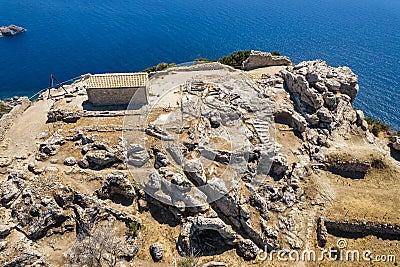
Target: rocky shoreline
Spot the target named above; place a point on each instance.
(11, 30)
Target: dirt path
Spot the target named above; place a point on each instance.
(21, 139)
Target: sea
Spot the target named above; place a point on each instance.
(74, 37)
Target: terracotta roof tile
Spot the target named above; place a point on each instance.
(117, 80)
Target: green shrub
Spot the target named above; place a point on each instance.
(235, 59)
(161, 66)
(377, 126)
(190, 261)
(201, 59)
(275, 53)
(370, 121)
(133, 230)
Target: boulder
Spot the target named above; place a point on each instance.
(70, 161)
(117, 188)
(161, 160)
(55, 115)
(101, 159)
(157, 251)
(154, 182)
(176, 153)
(157, 132)
(137, 155)
(279, 166)
(10, 30)
(83, 163)
(247, 249)
(5, 230)
(12, 188)
(88, 139)
(396, 142)
(51, 145)
(193, 169)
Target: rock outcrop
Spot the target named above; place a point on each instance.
(10, 30)
(396, 142)
(5, 107)
(224, 163)
(117, 188)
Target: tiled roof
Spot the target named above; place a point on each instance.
(117, 80)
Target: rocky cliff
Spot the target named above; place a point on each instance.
(220, 166)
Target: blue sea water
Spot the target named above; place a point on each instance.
(70, 38)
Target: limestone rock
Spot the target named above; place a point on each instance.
(194, 171)
(154, 182)
(5, 162)
(117, 188)
(137, 155)
(200, 230)
(176, 153)
(28, 257)
(70, 161)
(10, 30)
(51, 145)
(279, 166)
(34, 218)
(157, 251)
(87, 139)
(101, 159)
(55, 115)
(5, 230)
(3, 245)
(396, 142)
(83, 163)
(161, 160)
(11, 189)
(155, 131)
(247, 249)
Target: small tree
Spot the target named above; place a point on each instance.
(100, 248)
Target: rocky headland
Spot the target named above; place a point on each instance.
(223, 164)
(10, 30)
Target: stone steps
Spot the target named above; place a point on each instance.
(263, 130)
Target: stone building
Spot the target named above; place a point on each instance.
(112, 89)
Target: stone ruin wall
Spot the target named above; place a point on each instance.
(326, 225)
(261, 59)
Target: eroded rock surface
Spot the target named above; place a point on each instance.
(219, 163)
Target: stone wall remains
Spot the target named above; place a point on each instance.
(259, 59)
